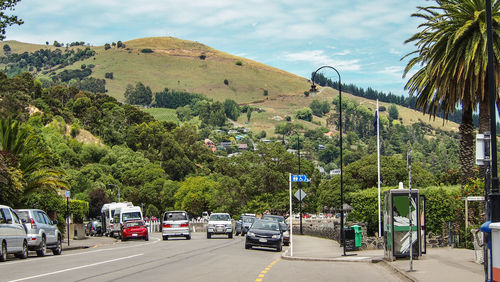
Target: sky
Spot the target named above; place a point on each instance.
(363, 40)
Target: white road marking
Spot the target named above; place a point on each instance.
(78, 254)
(75, 268)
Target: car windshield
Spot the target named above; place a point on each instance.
(249, 219)
(175, 216)
(266, 225)
(134, 223)
(24, 215)
(131, 215)
(219, 217)
(274, 218)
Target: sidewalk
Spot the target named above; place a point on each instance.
(439, 264)
(88, 242)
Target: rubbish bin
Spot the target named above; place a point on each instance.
(349, 239)
(358, 235)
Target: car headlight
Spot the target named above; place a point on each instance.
(277, 236)
(229, 225)
(211, 225)
(251, 234)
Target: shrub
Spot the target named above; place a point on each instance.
(239, 63)
(107, 46)
(108, 75)
(288, 118)
(147, 50)
(306, 93)
(304, 114)
(75, 130)
(6, 48)
(226, 82)
(266, 92)
(83, 66)
(203, 57)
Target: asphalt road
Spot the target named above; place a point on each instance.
(198, 259)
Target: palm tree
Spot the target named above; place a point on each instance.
(25, 151)
(451, 48)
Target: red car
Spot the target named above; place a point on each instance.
(134, 229)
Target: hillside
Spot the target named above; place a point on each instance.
(194, 67)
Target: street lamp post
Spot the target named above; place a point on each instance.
(313, 89)
(300, 185)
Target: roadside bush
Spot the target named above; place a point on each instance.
(147, 50)
(78, 209)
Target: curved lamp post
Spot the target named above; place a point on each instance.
(313, 89)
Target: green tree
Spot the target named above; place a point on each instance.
(452, 49)
(195, 195)
(316, 107)
(6, 20)
(231, 109)
(393, 112)
(6, 48)
(305, 114)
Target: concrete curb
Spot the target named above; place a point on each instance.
(71, 248)
(399, 271)
(286, 256)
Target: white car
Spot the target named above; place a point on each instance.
(220, 223)
(13, 238)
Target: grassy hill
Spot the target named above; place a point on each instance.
(178, 64)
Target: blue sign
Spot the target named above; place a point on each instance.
(300, 178)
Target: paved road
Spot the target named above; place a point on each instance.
(199, 259)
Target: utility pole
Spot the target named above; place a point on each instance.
(410, 213)
(300, 186)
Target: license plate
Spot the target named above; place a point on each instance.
(220, 230)
(175, 225)
(262, 240)
(134, 235)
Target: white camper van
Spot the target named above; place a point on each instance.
(108, 213)
(123, 214)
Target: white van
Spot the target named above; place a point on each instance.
(108, 213)
(123, 214)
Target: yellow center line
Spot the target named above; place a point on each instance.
(267, 269)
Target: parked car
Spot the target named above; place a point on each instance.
(176, 224)
(246, 222)
(264, 233)
(42, 232)
(283, 226)
(13, 238)
(220, 223)
(134, 229)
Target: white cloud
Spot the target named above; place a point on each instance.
(318, 57)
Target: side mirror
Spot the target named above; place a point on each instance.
(23, 221)
(55, 222)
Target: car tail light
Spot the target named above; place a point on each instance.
(166, 225)
(184, 224)
(33, 224)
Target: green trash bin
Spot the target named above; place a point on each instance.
(358, 235)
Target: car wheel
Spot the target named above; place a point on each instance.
(209, 235)
(230, 235)
(42, 249)
(123, 239)
(24, 253)
(247, 246)
(3, 254)
(286, 244)
(279, 249)
(165, 238)
(188, 237)
(58, 250)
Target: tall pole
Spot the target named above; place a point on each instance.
(67, 215)
(300, 186)
(378, 170)
(493, 201)
(313, 88)
(291, 215)
(410, 214)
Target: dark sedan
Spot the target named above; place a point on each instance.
(264, 233)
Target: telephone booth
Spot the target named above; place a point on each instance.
(397, 224)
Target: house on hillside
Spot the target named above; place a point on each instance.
(210, 144)
(226, 144)
(243, 146)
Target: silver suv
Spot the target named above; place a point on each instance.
(220, 223)
(42, 232)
